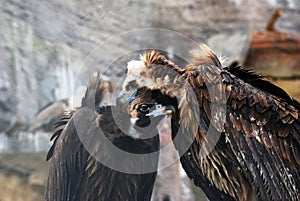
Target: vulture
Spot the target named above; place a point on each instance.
(106, 152)
(51, 113)
(48, 115)
(238, 135)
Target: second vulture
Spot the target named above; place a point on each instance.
(118, 163)
(237, 134)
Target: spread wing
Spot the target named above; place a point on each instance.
(260, 129)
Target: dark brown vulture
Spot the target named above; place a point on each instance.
(237, 134)
(85, 164)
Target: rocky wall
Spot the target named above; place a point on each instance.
(43, 44)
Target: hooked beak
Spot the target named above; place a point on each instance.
(160, 110)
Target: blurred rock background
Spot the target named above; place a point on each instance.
(46, 55)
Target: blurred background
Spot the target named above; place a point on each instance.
(45, 60)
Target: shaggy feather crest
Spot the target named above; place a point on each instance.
(137, 75)
(154, 71)
(153, 57)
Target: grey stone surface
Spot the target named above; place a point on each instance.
(7, 99)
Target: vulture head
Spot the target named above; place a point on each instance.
(144, 111)
(155, 72)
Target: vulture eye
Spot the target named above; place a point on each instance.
(144, 108)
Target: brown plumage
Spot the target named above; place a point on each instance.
(75, 174)
(256, 155)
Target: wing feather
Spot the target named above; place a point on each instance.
(69, 158)
(261, 127)
(68, 163)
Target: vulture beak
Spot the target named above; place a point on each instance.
(159, 110)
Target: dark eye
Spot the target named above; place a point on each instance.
(144, 108)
